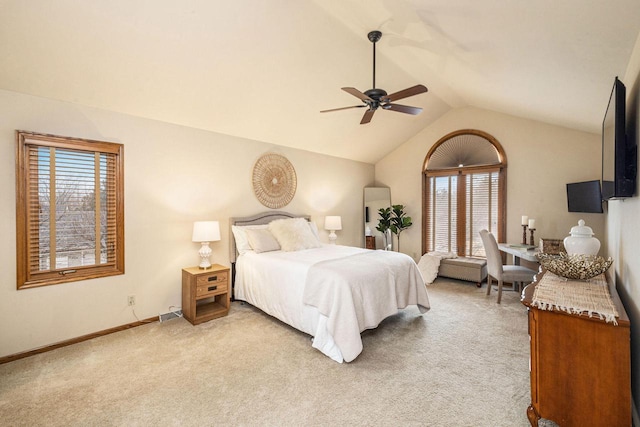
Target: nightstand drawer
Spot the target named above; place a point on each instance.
(212, 279)
(210, 289)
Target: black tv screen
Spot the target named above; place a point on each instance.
(584, 197)
(618, 154)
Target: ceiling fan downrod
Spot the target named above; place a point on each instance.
(374, 37)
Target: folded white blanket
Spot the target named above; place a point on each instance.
(359, 291)
(430, 263)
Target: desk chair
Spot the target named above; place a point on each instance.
(507, 273)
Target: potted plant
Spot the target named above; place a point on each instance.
(399, 221)
(384, 226)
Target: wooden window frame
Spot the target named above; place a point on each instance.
(26, 276)
(501, 168)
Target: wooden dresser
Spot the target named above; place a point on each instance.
(580, 366)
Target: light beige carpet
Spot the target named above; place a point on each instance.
(463, 363)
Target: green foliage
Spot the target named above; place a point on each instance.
(399, 221)
(385, 220)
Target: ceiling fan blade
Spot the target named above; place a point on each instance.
(355, 92)
(367, 117)
(415, 90)
(343, 108)
(402, 108)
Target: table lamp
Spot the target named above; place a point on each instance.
(332, 223)
(205, 232)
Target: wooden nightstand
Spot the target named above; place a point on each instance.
(370, 242)
(205, 293)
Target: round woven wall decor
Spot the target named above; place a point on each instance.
(274, 180)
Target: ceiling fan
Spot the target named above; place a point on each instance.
(374, 98)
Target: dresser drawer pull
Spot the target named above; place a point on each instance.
(212, 278)
(212, 288)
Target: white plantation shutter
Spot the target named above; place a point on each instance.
(70, 206)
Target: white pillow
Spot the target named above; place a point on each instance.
(293, 234)
(261, 240)
(314, 229)
(240, 234)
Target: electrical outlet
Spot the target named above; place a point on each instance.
(132, 300)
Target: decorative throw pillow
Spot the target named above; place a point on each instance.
(314, 229)
(261, 240)
(293, 234)
(240, 234)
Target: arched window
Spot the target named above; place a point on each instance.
(464, 191)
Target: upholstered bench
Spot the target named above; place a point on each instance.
(463, 268)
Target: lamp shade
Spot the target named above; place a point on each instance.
(333, 223)
(206, 231)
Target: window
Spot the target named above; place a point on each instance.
(464, 181)
(70, 209)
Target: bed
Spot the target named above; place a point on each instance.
(330, 292)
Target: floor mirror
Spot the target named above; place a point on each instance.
(375, 198)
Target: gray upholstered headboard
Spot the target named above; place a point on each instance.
(261, 218)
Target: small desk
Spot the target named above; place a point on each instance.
(519, 251)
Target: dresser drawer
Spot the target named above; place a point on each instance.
(211, 289)
(211, 279)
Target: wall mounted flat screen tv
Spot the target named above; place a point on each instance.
(584, 197)
(618, 154)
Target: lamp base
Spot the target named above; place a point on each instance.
(332, 237)
(205, 254)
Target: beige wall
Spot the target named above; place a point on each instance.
(173, 176)
(541, 159)
(623, 231)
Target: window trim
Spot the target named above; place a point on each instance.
(25, 278)
(465, 170)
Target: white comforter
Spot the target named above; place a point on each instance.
(332, 293)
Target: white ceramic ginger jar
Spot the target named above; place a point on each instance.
(581, 241)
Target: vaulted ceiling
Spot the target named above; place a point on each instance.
(263, 69)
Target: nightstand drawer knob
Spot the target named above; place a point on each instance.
(212, 278)
(212, 288)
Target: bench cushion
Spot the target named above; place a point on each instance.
(463, 268)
